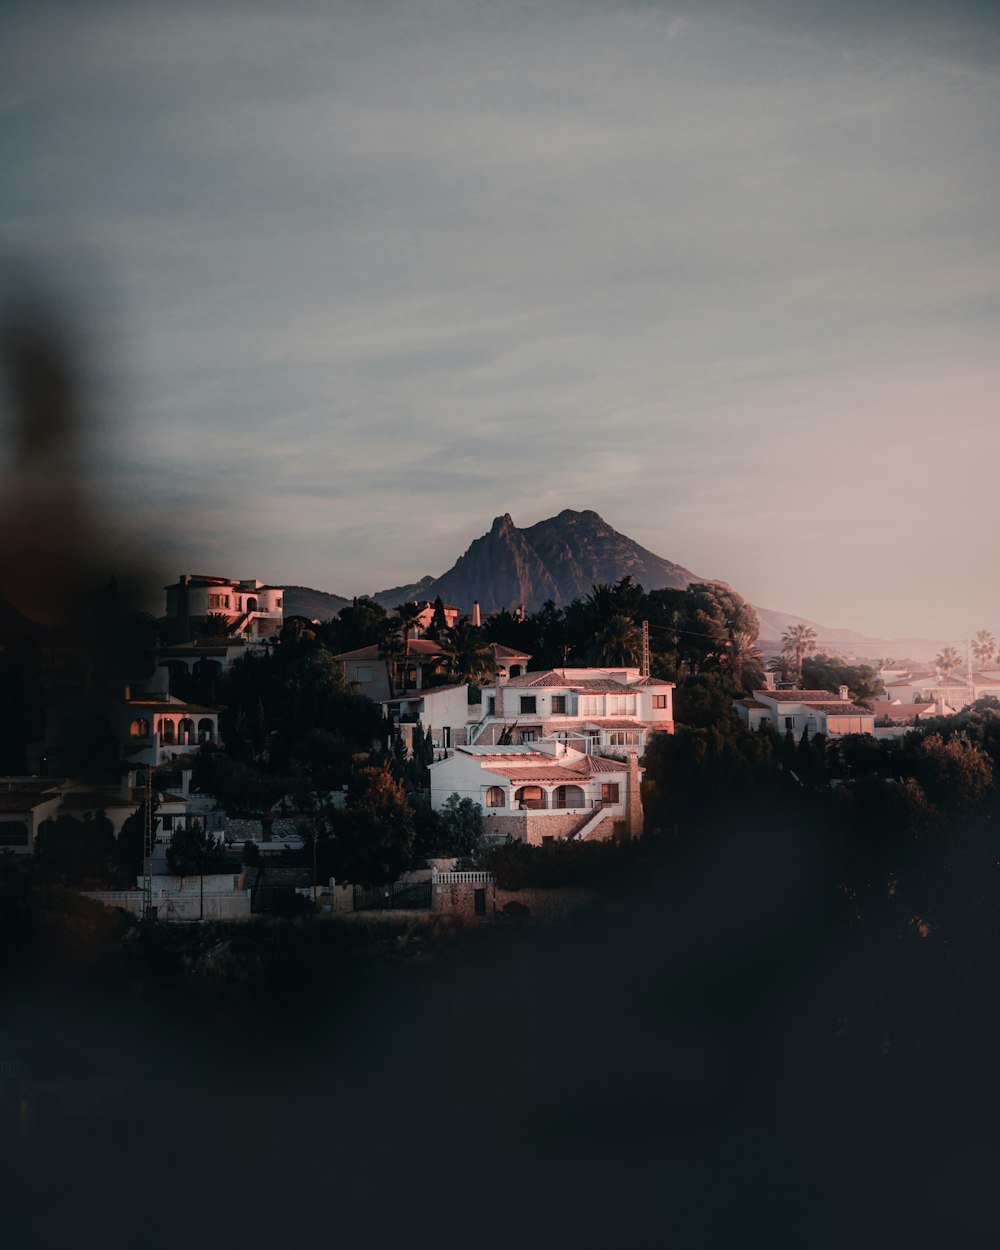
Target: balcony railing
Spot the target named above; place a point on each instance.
(553, 805)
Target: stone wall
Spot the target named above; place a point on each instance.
(458, 899)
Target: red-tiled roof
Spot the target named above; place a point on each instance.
(613, 722)
(414, 695)
(507, 653)
(418, 647)
(753, 703)
(839, 709)
(792, 696)
(22, 800)
(177, 709)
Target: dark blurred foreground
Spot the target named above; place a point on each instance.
(722, 1053)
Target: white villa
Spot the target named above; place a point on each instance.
(253, 608)
(590, 709)
(817, 711)
(543, 791)
(161, 727)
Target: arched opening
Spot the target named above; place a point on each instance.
(205, 730)
(139, 728)
(515, 670)
(569, 796)
(251, 605)
(495, 797)
(14, 833)
(167, 731)
(185, 732)
(529, 796)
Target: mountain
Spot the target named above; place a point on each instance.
(561, 559)
(558, 559)
(317, 605)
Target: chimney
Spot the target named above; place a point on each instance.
(476, 618)
(769, 681)
(843, 693)
(633, 798)
(184, 610)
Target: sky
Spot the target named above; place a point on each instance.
(353, 279)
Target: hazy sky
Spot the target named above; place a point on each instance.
(361, 276)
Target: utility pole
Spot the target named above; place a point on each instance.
(147, 849)
(644, 671)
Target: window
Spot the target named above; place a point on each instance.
(205, 730)
(789, 722)
(491, 705)
(558, 705)
(527, 735)
(13, 833)
(139, 728)
(495, 797)
(661, 701)
(364, 672)
(609, 792)
(528, 703)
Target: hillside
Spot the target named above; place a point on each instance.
(561, 558)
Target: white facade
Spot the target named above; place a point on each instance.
(534, 794)
(157, 729)
(443, 711)
(592, 709)
(255, 610)
(817, 711)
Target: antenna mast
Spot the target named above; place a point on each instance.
(147, 849)
(644, 672)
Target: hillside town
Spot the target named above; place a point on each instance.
(227, 761)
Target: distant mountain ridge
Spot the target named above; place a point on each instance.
(560, 559)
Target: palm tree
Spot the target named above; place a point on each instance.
(407, 614)
(390, 648)
(797, 641)
(618, 640)
(469, 656)
(783, 665)
(948, 660)
(743, 658)
(214, 625)
(983, 647)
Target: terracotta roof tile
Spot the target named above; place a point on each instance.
(839, 708)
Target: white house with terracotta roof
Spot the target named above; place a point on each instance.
(817, 711)
(365, 667)
(254, 609)
(542, 791)
(591, 709)
(157, 728)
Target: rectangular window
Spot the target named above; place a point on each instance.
(609, 792)
(527, 735)
(558, 705)
(528, 702)
(661, 701)
(491, 705)
(364, 672)
(789, 722)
